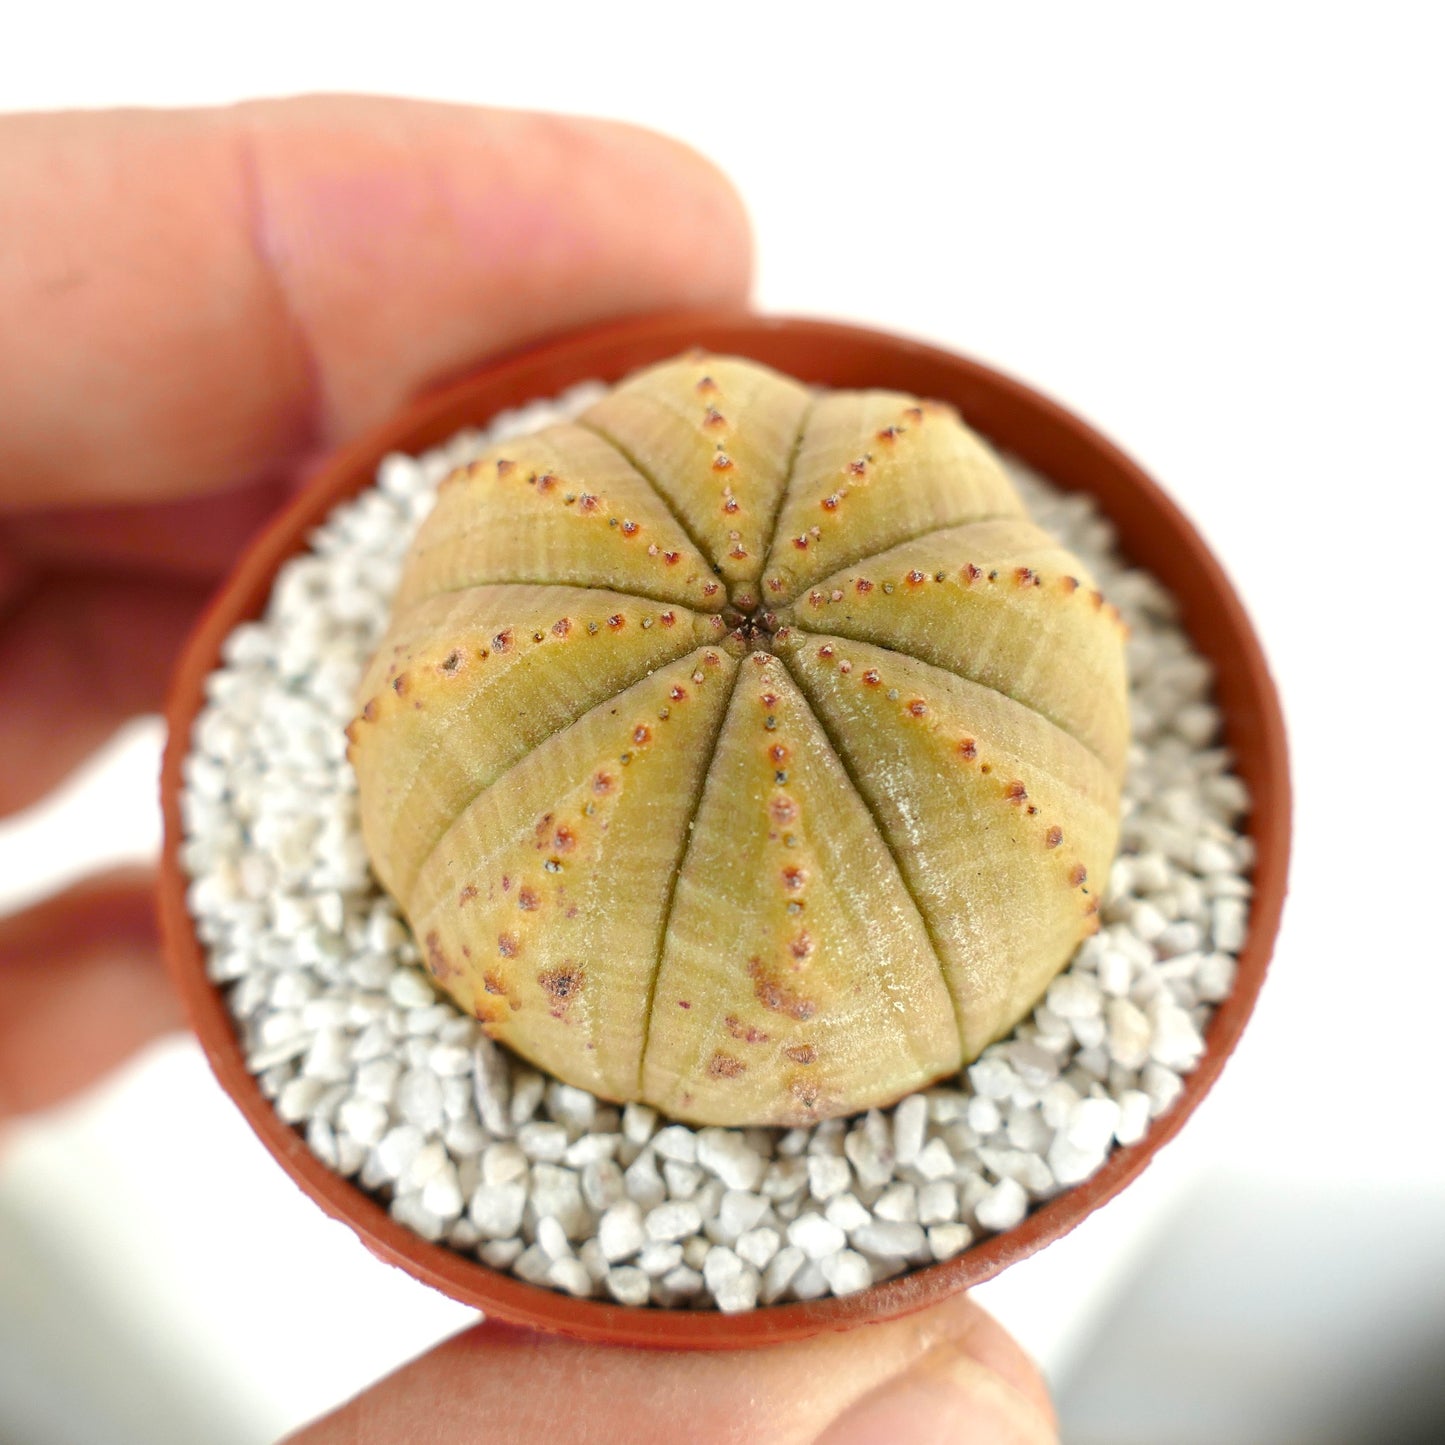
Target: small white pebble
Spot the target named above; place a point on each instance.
(620, 1230)
(947, 1240)
(1115, 973)
(828, 1175)
(643, 1182)
(673, 1220)
(935, 1161)
(731, 1281)
(1003, 1206)
(450, 1060)
(593, 1260)
(992, 1078)
(629, 1285)
(588, 1148)
(1162, 1085)
(574, 1109)
(1174, 1041)
(638, 1123)
(364, 1119)
(298, 1098)
(679, 1284)
(784, 1178)
(889, 1238)
(397, 1148)
(441, 1195)
(552, 1237)
(376, 1080)
(409, 989)
(409, 1209)
(1147, 921)
(780, 1272)
(899, 1202)
(492, 1087)
(1214, 977)
(570, 1274)
(1025, 1129)
(658, 1259)
(676, 1142)
(496, 1209)
(910, 1123)
(1129, 1033)
(527, 1088)
(500, 1253)
(558, 1191)
(983, 1114)
(758, 1246)
(603, 1184)
(728, 1155)
(846, 1212)
(539, 1139)
(872, 1162)
(1074, 996)
(502, 1163)
(739, 1211)
(419, 1099)
(847, 1272)
(1210, 856)
(328, 1057)
(815, 1236)
(682, 1180)
(1133, 1116)
(946, 1106)
(937, 1202)
(1228, 919)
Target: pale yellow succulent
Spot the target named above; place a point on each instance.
(743, 748)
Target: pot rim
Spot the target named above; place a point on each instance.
(1152, 531)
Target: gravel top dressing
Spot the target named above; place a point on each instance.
(396, 1088)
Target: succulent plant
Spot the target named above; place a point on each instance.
(743, 748)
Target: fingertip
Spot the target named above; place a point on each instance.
(973, 1381)
(84, 988)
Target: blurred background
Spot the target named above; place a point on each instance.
(1214, 232)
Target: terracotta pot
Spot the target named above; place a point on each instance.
(1152, 532)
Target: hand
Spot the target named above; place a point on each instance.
(198, 306)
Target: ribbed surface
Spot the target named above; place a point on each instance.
(743, 750)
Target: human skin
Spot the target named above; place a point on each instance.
(199, 305)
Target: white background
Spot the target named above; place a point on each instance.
(1216, 234)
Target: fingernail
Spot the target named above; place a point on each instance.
(947, 1397)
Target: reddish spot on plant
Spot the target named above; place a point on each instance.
(777, 996)
(562, 984)
(748, 1033)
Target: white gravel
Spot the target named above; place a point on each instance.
(466, 1144)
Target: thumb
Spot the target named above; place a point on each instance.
(948, 1373)
(195, 299)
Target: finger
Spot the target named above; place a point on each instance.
(79, 656)
(83, 988)
(192, 537)
(507, 1386)
(195, 299)
(978, 1385)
